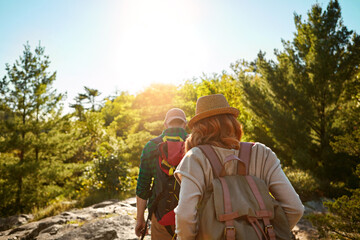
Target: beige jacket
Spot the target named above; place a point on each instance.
(195, 175)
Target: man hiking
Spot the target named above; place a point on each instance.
(156, 187)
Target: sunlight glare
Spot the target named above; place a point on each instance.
(158, 38)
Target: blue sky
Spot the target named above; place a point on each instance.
(126, 45)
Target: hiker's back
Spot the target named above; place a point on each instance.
(170, 152)
(264, 165)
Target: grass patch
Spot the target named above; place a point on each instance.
(61, 205)
(52, 209)
(108, 216)
(77, 222)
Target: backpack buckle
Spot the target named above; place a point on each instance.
(267, 227)
(229, 228)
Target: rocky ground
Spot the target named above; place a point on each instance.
(103, 221)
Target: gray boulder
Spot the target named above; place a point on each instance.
(108, 220)
(14, 221)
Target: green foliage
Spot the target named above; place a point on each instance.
(152, 104)
(348, 122)
(343, 219)
(186, 97)
(90, 133)
(304, 183)
(118, 114)
(134, 145)
(105, 177)
(154, 128)
(54, 207)
(110, 174)
(296, 101)
(34, 137)
(90, 96)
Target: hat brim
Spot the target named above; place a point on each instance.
(213, 112)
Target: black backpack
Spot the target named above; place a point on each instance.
(171, 150)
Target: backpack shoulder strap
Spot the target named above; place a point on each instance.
(245, 154)
(210, 154)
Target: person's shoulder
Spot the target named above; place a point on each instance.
(194, 155)
(192, 160)
(261, 146)
(151, 143)
(264, 152)
(195, 151)
(149, 148)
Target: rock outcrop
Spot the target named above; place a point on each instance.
(14, 221)
(103, 221)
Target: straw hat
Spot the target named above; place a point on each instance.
(212, 105)
(175, 113)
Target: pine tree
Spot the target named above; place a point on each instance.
(297, 99)
(33, 140)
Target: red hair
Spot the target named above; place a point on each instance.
(220, 130)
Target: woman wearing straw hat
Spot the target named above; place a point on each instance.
(215, 124)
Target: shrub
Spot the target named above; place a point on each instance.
(305, 184)
(105, 178)
(343, 219)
